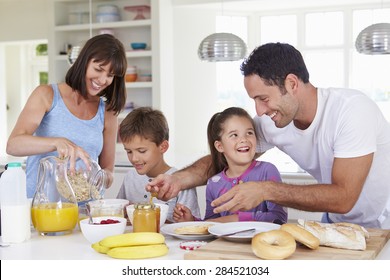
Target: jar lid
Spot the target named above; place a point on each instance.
(192, 245)
(14, 164)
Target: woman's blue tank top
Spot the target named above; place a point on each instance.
(60, 122)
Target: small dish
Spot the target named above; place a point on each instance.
(169, 229)
(108, 207)
(225, 228)
(96, 231)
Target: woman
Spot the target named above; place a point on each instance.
(78, 118)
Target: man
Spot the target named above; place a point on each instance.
(339, 136)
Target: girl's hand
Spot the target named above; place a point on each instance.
(181, 213)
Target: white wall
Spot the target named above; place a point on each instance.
(24, 20)
(20, 20)
(195, 84)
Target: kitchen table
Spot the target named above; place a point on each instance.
(75, 247)
(70, 247)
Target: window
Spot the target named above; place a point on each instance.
(329, 52)
(230, 86)
(279, 29)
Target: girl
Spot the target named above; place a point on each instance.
(232, 142)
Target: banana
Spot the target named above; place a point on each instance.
(132, 239)
(99, 248)
(138, 252)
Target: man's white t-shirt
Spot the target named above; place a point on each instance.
(347, 124)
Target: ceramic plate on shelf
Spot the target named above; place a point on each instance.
(169, 229)
(226, 228)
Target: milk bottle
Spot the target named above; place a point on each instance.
(15, 207)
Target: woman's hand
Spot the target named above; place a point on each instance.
(66, 148)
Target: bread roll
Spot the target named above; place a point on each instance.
(273, 245)
(338, 235)
(302, 235)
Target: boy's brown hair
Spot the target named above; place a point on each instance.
(145, 122)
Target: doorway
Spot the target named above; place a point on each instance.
(24, 65)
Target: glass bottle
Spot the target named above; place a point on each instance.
(144, 219)
(54, 207)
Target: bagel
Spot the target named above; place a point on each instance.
(302, 235)
(273, 245)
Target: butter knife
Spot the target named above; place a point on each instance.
(235, 232)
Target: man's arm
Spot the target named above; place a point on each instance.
(168, 186)
(340, 196)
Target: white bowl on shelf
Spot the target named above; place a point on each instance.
(107, 17)
(107, 8)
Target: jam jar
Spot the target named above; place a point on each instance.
(145, 218)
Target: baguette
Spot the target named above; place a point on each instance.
(338, 235)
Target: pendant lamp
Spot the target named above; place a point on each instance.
(222, 47)
(374, 39)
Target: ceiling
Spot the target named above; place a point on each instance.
(253, 5)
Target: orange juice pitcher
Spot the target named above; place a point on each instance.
(54, 208)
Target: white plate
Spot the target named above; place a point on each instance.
(169, 229)
(224, 228)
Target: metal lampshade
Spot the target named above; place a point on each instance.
(374, 39)
(222, 47)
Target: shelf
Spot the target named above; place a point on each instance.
(127, 30)
(139, 85)
(146, 53)
(129, 54)
(100, 25)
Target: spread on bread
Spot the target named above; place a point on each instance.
(338, 235)
(193, 229)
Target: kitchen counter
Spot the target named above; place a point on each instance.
(75, 247)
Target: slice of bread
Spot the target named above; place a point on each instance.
(193, 229)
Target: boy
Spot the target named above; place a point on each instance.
(145, 134)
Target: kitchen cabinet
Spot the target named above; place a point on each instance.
(75, 21)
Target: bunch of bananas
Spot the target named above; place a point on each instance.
(133, 245)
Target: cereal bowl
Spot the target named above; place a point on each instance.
(108, 207)
(98, 230)
(163, 212)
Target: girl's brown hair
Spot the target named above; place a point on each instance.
(214, 133)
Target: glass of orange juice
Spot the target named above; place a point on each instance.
(54, 209)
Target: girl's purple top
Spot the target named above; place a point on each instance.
(257, 171)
